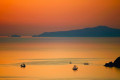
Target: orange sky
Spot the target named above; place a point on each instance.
(27, 17)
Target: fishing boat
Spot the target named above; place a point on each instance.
(75, 67)
(23, 65)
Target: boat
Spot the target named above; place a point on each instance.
(86, 63)
(75, 67)
(23, 65)
(70, 62)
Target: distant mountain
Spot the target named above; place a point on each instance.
(99, 31)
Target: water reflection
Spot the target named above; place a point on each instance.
(49, 58)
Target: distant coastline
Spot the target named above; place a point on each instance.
(99, 31)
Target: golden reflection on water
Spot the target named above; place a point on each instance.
(57, 55)
(60, 71)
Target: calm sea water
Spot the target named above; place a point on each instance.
(48, 58)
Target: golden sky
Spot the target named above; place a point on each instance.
(36, 16)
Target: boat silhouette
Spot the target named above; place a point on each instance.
(75, 67)
(70, 62)
(23, 65)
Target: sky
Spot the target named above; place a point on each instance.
(29, 17)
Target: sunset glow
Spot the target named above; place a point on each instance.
(59, 39)
(28, 17)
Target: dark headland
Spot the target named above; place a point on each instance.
(116, 63)
(99, 31)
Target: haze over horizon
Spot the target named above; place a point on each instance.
(29, 17)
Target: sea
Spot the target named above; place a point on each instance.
(52, 58)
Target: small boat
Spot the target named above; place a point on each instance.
(70, 62)
(75, 67)
(23, 65)
(86, 63)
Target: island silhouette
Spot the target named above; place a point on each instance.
(99, 31)
(15, 36)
